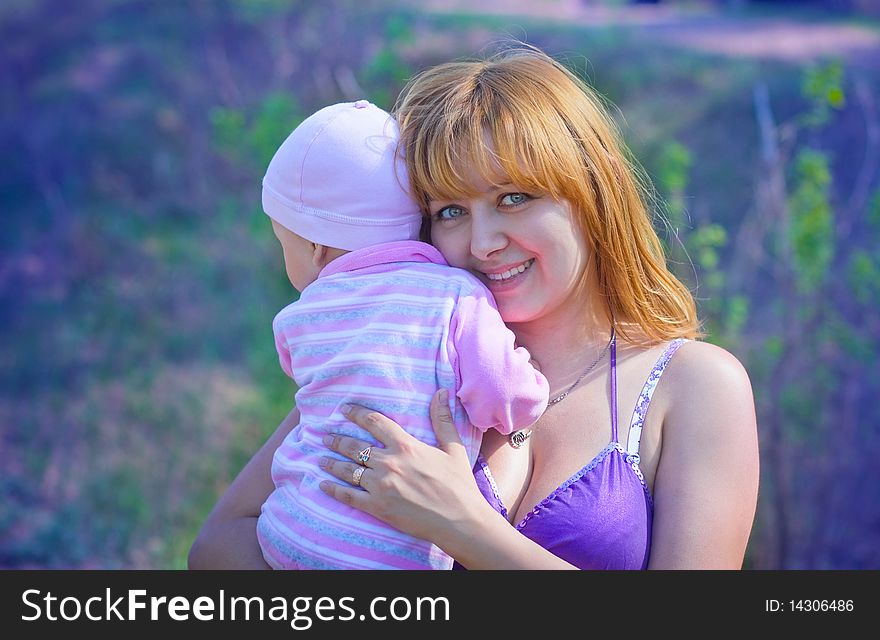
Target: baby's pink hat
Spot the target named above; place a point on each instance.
(337, 180)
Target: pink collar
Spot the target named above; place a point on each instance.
(387, 252)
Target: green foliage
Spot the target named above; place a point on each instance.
(229, 129)
(700, 248)
(812, 220)
(864, 276)
(736, 314)
(873, 216)
(839, 334)
(399, 29)
(253, 141)
(279, 114)
(800, 406)
(387, 71)
(774, 346)
(386, 66)
(863, 271)
(116, 496)
(674, 164)
(823, 87)
(258, 11)
(706, 243)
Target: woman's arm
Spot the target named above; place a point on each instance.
(706, 486)
(228, 539)
(430, 493)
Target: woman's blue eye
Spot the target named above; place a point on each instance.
(514, 199)
(449, 213)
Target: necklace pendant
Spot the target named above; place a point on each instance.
(518, 438)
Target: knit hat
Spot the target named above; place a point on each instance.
(337, 180)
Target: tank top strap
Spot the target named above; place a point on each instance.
(641, 410)
(613, 386)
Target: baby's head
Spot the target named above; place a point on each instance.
(336, 184)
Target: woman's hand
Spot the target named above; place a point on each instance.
(428, 492)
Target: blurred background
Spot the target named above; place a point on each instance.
(139, 277)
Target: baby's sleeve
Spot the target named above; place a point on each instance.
(498, 386)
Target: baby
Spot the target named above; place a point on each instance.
(381, 321)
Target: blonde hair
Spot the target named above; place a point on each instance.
(550, 133)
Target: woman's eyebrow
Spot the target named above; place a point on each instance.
(490, 188)
(500, 186)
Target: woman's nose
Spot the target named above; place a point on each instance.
(487, 235)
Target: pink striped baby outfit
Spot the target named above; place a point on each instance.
(385, 327)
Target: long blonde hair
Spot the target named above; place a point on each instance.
(551, 133)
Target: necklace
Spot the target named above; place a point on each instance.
(518, 438)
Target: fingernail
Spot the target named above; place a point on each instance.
(345, 409)
(444, 395)
(324, 462)
(324, 486)
(328, 440)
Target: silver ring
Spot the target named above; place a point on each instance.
(364, 455)
(356, 475)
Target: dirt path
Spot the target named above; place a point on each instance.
(704, 28)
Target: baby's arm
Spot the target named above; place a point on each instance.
(498, 386)
(282, 338)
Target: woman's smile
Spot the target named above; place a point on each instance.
(506, 274)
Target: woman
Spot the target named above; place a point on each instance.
(526, 185)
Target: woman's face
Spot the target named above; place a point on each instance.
(525, 247)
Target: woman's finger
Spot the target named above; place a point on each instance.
(385, 430)
(347, 495)
(353, 448)
(441, 420)
(353, 474)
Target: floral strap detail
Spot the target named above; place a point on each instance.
(641, 410)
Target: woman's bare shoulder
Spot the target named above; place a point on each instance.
(707, 385)
(706, 481)
(703, 365)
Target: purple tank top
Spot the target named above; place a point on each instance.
(600, 518)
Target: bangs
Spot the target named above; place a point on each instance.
(473, 141)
